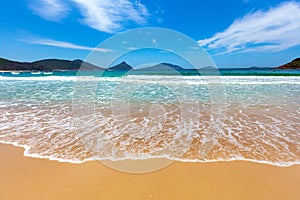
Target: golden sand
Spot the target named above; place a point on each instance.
(29, 178)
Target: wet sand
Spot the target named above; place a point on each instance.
(29, 178)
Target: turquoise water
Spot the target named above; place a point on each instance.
(63, 117)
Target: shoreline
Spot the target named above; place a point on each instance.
(263, 162)
(33, 178)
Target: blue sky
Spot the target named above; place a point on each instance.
(236, 33)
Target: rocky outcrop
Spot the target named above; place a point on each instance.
(295, 64)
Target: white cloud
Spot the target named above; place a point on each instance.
(53, 10)
(131, 48)
(103, 15)
(55, 43)
(273, 30)
(109, 15)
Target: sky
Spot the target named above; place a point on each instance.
(235, 33)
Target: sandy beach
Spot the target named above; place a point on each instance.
(29, 178)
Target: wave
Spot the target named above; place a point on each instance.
(38, 78)
(256, 135)
(176, 80)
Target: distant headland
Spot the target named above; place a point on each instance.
(75, 65)
(294, 64)
(46, 65)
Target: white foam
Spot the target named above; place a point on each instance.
(39, 78)
(200, 80)
(52, 158)
(76, 161)
(32, 122)
(170, 79)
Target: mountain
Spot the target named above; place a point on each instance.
(162, 67)
(46, 65)
(56, 64)
(255, 67)
(12, 65)
(295, 64)
(74, 65)
(64, 65)
(123, 66)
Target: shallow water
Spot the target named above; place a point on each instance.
(147, 116)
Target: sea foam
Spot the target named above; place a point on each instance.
(261, 120)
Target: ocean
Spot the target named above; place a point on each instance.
(251, 115)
